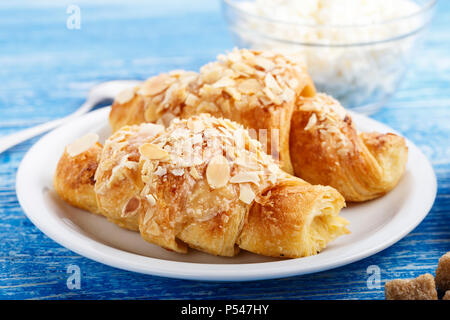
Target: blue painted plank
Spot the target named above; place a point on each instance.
(46, 71)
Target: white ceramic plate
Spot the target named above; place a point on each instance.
(374, 225)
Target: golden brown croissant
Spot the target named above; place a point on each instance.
(328, 150)
(207, 185)
(269, 91)
(255, 89)
(118, 179)
(74, 177)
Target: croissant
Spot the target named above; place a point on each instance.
(362, 166)
(204, 183)
(105, 179)
(268, 94)
(74, 177)
(117, 179)
(255, 89)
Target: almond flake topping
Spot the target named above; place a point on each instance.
(194, 173)
(246, 194)
(125, 95)
(177, 172)
(153, 151)
(249, 86)
(155, 85)
(242, 177)
(151, 199)
(131, 207)
(218, 172)
(311, 122)
(272, 84)
(160, 171)
(224, 82)
(264, 63)
(151, 129)
(82, 144)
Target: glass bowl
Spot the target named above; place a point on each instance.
(361, 65)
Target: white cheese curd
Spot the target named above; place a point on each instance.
(355, 50)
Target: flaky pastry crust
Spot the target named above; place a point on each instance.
(74, 178)
(205, 183)
(330, 151)
(255, 89)
(118, 179)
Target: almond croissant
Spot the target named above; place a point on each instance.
(204, 183)
(255, 89)
(268, 93)
(362, 166)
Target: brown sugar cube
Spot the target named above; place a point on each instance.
(443, 273)
(446, 295)
(420, 288)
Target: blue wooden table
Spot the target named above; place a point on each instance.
(46, 70)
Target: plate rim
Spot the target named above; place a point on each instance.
(129, 261)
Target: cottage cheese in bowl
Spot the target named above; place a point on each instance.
(355, 50)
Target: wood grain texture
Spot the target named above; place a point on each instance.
(46, 71)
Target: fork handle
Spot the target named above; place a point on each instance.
(11, 140)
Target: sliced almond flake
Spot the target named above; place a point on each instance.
(192, 100)
(225, 106)
(194, 173)
(131, 207)
(155, 85)
(197, 138)
(196, 126)
(167, 118)
(207, 107)
(249, 86)
(160, 171)
(272, 96)
(147, 167)
(210, 74)
(267, 54)
(224, 82)
(222, 58)
(246, 162)
(288, 95)
(264, 63)
(151, 201)
(273, 168)
(243, 68)
(153, 151)
(234, 56)
(246, 194)
(153, 229)
(243, 177)
(209, 92)
(82, 144)
(233, 93)
(148, 214)
(124, 96)
(293, 83)
(311, 122)
(177, 172)
(272, 179)
(170, 95)
(253, 101)
(272, 84)
(218, 172)
(264, 101)
(247, 54)
(151, 129)
(241, 104)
